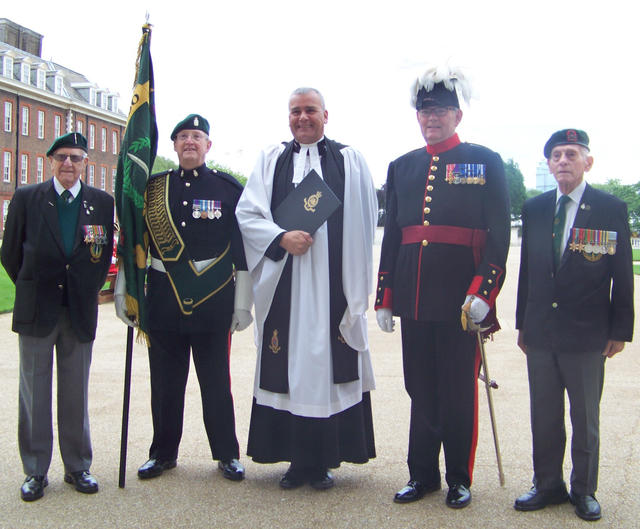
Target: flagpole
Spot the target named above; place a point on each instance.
(125, 408)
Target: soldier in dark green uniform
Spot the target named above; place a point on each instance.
(198, 291)
(445, 245)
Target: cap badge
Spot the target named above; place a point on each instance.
(195, 122)
(572, 136)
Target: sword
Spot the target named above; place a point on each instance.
(470, 326)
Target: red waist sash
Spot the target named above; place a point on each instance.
(447, 235)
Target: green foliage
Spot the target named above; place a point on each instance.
(517, 191)
(628, 193)
(7, 292)
(533, 193)
(163, 164)
(238, 176)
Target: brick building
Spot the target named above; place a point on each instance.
(39, 101)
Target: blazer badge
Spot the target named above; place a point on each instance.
(275, 344)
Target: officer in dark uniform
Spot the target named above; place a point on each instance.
(198, 290)
(445, 245)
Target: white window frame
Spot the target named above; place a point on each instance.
(8, 116)
(6, 166)
(103, 178)
(25, 121)
(57, 85)
(57, 125)
(104, 139)
(92, 175)
(24, 168)
(41, 124)
(39, 169)
(114, 142)
(114, 172)
(25, 73)
(79, 126)
(41, 79)
(7, 70)
(92, 136)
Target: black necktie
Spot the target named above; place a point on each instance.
(558, 229)
(67, 196)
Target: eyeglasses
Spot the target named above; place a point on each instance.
(436, 111)
(75, 158)
(195, 136)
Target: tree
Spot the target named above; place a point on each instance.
(533, 193)
(629, 194)
(517, 191)
(218, 167)
(165, 164)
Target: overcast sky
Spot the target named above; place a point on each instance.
(535, 68)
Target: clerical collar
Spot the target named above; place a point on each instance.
(321, 143)
(186, 173)
(443, 146)
(74, 189)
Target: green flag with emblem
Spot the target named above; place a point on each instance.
(137, 154)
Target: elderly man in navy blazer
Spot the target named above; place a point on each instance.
(575, 310)
(57, 249)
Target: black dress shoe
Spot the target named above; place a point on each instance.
(321, 479)
(231, 469)
(83, 481)
(414, 490)
(587, 507)
(154, 467)
(458, 497)
(33, 488)
(538, 499)
(293, 478)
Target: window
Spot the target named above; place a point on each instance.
(79, 126)
(104, 139)
(5, 212)
(25, 73)
(114, 172)
(92, 174)
(92, 96)
(6, 167)
(40, 124)
(103, 178)
(8, 113)
(114, 142)
(58, 85)
(57, 126)
(25, 121)
(24, 169)
(92, 136)
(40, 169)
(7, 67)
(41, 79)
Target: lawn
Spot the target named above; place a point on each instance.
(7, 292)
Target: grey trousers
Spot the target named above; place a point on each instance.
(35, 429)
(582, 376)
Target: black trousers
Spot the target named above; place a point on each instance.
(169, 365)
(441, 364)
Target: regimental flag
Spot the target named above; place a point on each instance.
(137, 154)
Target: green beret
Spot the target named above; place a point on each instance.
(71, 139)
(566, 137)
(191, 122)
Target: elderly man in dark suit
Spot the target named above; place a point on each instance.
(57, 249)
(575, 309)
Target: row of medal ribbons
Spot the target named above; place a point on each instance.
(593, 241)
(207, 209)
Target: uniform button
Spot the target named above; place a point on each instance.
(493, 272)
(425, 242)
(429, 188)
(485, 292)
(554, 305)
(183, 224)
(436, 158)
(434, 167)
(432, 177)
(379, 289)
(427, 210)
(188, 184)
(184, 202)
(60, 287)
(428, 199)
(426, 223)
(490, 282)
(67, 267)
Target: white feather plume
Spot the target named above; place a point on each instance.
(451, 76)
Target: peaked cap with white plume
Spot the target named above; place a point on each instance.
(441, 84)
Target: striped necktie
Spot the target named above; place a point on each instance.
(558, 230)
(67, 196)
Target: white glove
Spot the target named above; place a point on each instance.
(385, 319)
(119, 297)
(241, 318)
(478, 310)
